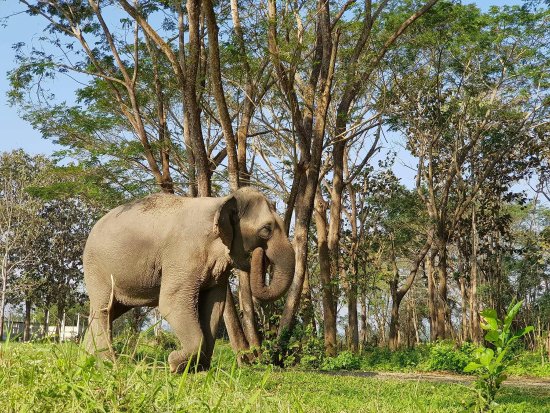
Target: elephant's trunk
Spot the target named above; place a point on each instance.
(283, 272)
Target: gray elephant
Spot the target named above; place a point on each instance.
(177, 253)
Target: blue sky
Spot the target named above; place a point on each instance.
(17, 133)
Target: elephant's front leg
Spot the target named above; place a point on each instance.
(211, 305)
(178, 304)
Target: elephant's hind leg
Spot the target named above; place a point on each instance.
(98, 337)
(178, 305)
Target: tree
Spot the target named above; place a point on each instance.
(471, 111)
(59, 253)
(18, 224)
(307, 101)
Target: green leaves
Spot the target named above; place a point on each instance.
(472, 366)
(490, 317)
(490, 364)
(486, 357)
(492, 337)
(513, 310)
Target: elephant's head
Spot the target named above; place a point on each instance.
(250, 227)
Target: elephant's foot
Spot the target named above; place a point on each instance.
(178, 362)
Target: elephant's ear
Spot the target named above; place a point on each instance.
(225, 219)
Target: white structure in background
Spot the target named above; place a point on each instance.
(15, 329)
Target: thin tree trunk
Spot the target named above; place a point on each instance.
(329, 305)
(474, 309)
(429, 268)
(3, 295)
(464, 324)
(60, 314)
(415, 324)
(157, 329)
(308, 313)
(442, 301)
(311, 133)
(27, 330)
(46, 322)
(353, 327)
(364, 317)
(393, 339)
(464, 308)
(219, 95)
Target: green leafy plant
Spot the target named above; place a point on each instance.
(491, 364)
(445, 356)
(345, 360)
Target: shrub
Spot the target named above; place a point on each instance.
(345, 360)
(445, 356)
(491, 364)
(312, 352)
(529, 364)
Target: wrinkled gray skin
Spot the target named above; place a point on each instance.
(177, 253)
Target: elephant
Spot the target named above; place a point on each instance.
(176, 253)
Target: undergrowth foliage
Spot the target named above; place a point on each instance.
(491, 363)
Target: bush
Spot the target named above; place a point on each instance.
(302, 347)
(491, 364)
(312, 352)
(444, 355)
(407, 358)
(345, 360)
(529, 364)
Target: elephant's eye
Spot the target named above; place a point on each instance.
(265, 232)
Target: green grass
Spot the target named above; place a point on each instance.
(62, 378)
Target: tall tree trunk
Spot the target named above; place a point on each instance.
(442, 302)
(60, 314)
(310, 127)
(192, 190)
(353, 327)
(474, 308)
(46, 321)
(464, 330)
(464, 324)
(27, 330)
(3, 294)
(415, 324)
(329, 303)
(429, 269)
(364, 317)
(393, 339)
(308, 313)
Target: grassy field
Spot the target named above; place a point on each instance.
(61, 378)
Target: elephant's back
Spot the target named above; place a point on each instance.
(138, 221)
(148, 223)
(127, 242)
